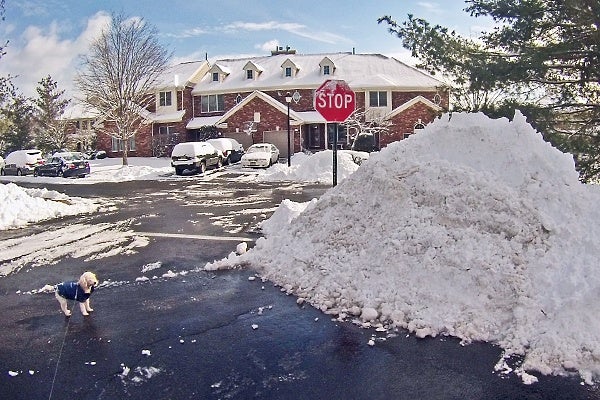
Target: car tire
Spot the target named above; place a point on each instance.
(19, 172)
(2, 172)
(179, 171)
(35, 172)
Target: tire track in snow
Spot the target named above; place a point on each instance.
(77, 241)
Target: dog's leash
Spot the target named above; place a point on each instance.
(60, 354)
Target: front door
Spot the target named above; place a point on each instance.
(315, 136)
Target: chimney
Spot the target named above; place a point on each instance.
(280, 50)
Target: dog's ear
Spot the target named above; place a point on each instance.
(87, 280)
(82, 281)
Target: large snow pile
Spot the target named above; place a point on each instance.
(311, 168)
(20, 206)
(474, 228)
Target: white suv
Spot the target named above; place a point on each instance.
(22, 162)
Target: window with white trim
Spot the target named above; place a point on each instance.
(249, 74)
(164, 99)
(212, 103)
(117, 144)
(326, 70)
(378, 99)
(215, 77)
(288, 71)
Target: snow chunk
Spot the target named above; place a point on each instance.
(21, 206)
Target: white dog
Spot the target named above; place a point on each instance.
(80, 290)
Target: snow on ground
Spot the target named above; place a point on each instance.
(21, 206)
(311, 168)
(474, 228)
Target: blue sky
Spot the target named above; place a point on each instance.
(46, 36)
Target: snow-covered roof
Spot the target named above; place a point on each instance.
(175, 116)
(79, 110)
(182, 74)
(199, 122)
(360, 71)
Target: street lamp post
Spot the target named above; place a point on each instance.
(288, 100)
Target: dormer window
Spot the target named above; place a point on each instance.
(164, 99)
(327, 66)
(290, 69)
(218, 73)
(252, 70)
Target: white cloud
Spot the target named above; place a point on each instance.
(293, 28)
(264, 26)
(432, 8)
(42, 51)
(268, 46)
(188, 33)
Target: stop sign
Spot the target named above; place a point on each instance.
(334, 100)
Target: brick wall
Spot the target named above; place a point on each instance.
(405, 121)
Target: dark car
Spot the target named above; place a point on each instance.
(231, 149)
(65, 164)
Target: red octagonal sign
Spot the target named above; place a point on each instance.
(334, 100)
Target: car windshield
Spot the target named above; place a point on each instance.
(258, 149)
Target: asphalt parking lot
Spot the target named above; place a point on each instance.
(165, 329)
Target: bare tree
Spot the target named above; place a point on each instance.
(119, 73)
(360, 123)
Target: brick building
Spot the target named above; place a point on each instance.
(245, 98)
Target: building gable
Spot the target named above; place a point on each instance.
(411, 103)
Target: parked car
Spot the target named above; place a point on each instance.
(365, 142)
(95, 154)
(195, 156)
(22, 162)
(231, 149)
(66, 164)
(260, 155)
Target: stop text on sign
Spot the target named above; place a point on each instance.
(334, 100)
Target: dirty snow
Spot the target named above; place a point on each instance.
(475, 228)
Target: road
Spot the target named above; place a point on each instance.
(165, 329)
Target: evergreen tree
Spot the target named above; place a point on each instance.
(16, 114)
(51, 129)
(543, 57)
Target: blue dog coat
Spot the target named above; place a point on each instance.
(72, 291)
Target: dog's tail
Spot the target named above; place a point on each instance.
(47, 289)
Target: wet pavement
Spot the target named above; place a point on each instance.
(185, 333)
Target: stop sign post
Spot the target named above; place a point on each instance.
(335, 101)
